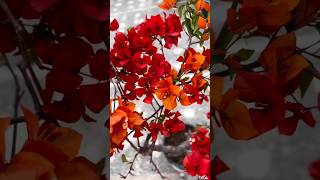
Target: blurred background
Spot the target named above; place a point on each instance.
(270, 156)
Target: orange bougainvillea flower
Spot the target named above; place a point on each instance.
(167, 4)
(267, 16)
(198, 81)
(49, 153)
(167, 92)
(121, 119)
(229, 108)
(202, 23)
(202, 4)
(280, 60)
(194, 61)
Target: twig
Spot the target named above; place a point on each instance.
(132, 145)
(131, 167)
(161, 107)
(156, 168)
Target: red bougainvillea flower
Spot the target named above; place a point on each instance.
(167, 92)
(114, 25)
(7, 40)
(188, 95)
(167, 4)
(121, 119)
(314, 170)
(174, 124)
(154, 26)
(200, 141)
(196, 164)
(217, 166)
(95, 9)
(155, 128)
(173, 30)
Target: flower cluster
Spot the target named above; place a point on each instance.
(198, 161)
(140, 63)
(140, 71)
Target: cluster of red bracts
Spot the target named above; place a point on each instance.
(58, 40)
(136, 55)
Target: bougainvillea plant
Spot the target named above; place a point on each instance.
(43, 37)
(141, 73)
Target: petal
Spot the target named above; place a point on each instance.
(78, 168)
(170, 102)
(134, 119)
(238, 127)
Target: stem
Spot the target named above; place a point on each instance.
(131, 167)
(156, 168)
(154, 113)
(132, 145)
(31, 88)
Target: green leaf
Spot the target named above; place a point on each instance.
(194, 24)
(188, 26)
(186, 78)
(305, 82)
(124, 158)
(201, 43)
(180, 10)
(244, 54)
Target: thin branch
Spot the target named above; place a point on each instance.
(132, 145)
(131, 167)
(156, 168)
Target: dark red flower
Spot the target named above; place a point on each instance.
(173, 30)
(72, 54)
(314, 170)
(114, 25)
(174, 124)
(94, 96)
(98, 65)
(155, 128)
